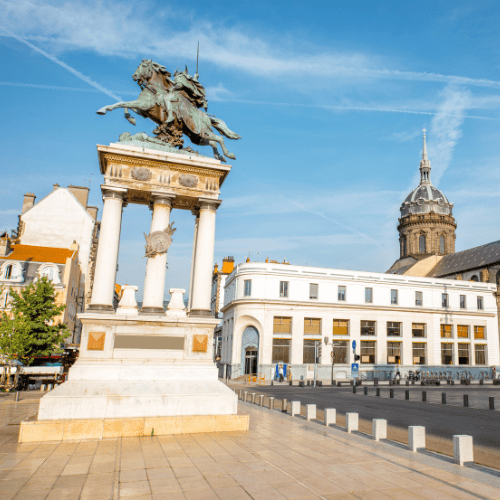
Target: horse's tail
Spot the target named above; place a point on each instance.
(221, 126)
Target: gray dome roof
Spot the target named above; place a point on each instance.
(426, 198)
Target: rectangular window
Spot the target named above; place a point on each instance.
(394, 297)
(444, 300)
(446, 354)
(463, 354)
(418, 330)
(369, 295)
(446, 332)
(480, 303)
(463, 302)
(342, 293)
(419, 353)
(479, 332)
(394, 353)
(340, 327)
(248, 288)
(393, 329)
(419, 299)
(313, 291)
(308, 352)
(283, 288)
(368, 352)
(282, 325)
(480, 353)
(312, 326)
(281, 350)
(340, 350)
(463, 331)
(367, 327)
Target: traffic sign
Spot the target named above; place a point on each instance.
(354, 370)
(353, 345)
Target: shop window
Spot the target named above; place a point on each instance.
(394, 353)
(367, 327)
(463, 354)
(446, 354)
(308, 351)
(340, 327)
(282, 325)
(462, 331)
(312, 326)
(368, 351)
(479, 332)
(340, 351)
(394, 329)
(480, 354)
(446, 332)
(281, 350)
(419, 353)
(418, 330)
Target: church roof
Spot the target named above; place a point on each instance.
(39, 254)
(466, 260)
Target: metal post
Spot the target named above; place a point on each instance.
(366, 391)
(333, 359)
(16, 399)
(354, 389)
(424, 396)
(466, 400)
(492, 403)
(378, 391)
(284, 405)
(315, 356)
(407, 395)
(391, 393)
(443, 398)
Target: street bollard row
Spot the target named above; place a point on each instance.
(463, 452)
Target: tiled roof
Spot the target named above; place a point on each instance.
(468, 259)
(39, 254)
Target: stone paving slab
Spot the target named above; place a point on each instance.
(281, 457)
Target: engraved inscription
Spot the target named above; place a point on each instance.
(148, 342)
(200, 343)
(96, 341)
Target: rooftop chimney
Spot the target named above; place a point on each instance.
(4, 245)
(81, 193)
(56, 186)
(227, 265)
(93, 212)
(28, 202)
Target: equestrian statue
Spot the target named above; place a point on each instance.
(176, 106)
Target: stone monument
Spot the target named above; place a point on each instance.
(150, 371)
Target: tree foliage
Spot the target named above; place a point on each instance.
(31, 331)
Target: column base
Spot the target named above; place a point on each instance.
(100, 308)
(201, 312)
(152, 310)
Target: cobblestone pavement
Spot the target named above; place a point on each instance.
(280, 457)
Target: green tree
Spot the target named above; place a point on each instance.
(31, 331)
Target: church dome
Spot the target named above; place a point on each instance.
(426, 198)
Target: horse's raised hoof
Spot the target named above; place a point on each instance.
(231, 156)
(101, 111)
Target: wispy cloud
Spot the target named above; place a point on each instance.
(57, 87)
(126, 30)
(9, 212)
(445, 129)
(405, 135)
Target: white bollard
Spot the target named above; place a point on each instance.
(261, 399)
(351, 422)
(330, 416)
(462, 449)
(416, 437)
(295, 408)
(245, 393)
(310, 412)
(253, 397)
(379, 429)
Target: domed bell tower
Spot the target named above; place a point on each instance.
(426, 226)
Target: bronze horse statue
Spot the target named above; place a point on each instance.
(174, 105)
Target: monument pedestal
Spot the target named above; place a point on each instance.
(150, 371)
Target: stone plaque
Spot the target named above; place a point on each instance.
(200, 343)
(148, 342)
(96, 341)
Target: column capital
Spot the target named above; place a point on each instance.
(208, 204)
(161, 198)
(114, 192)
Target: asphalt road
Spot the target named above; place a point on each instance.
(441, 421)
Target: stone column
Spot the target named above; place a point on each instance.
(203, 259)
(196, 213)
(107, 252)
(156, 267)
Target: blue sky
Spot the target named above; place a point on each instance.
(329, 98)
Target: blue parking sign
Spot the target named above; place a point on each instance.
(353, 345)
(354, 370)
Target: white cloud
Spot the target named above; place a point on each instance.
(12, 211)
(405, 135)
(445, 129)
(126, 30)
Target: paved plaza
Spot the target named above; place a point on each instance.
(281, 457)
